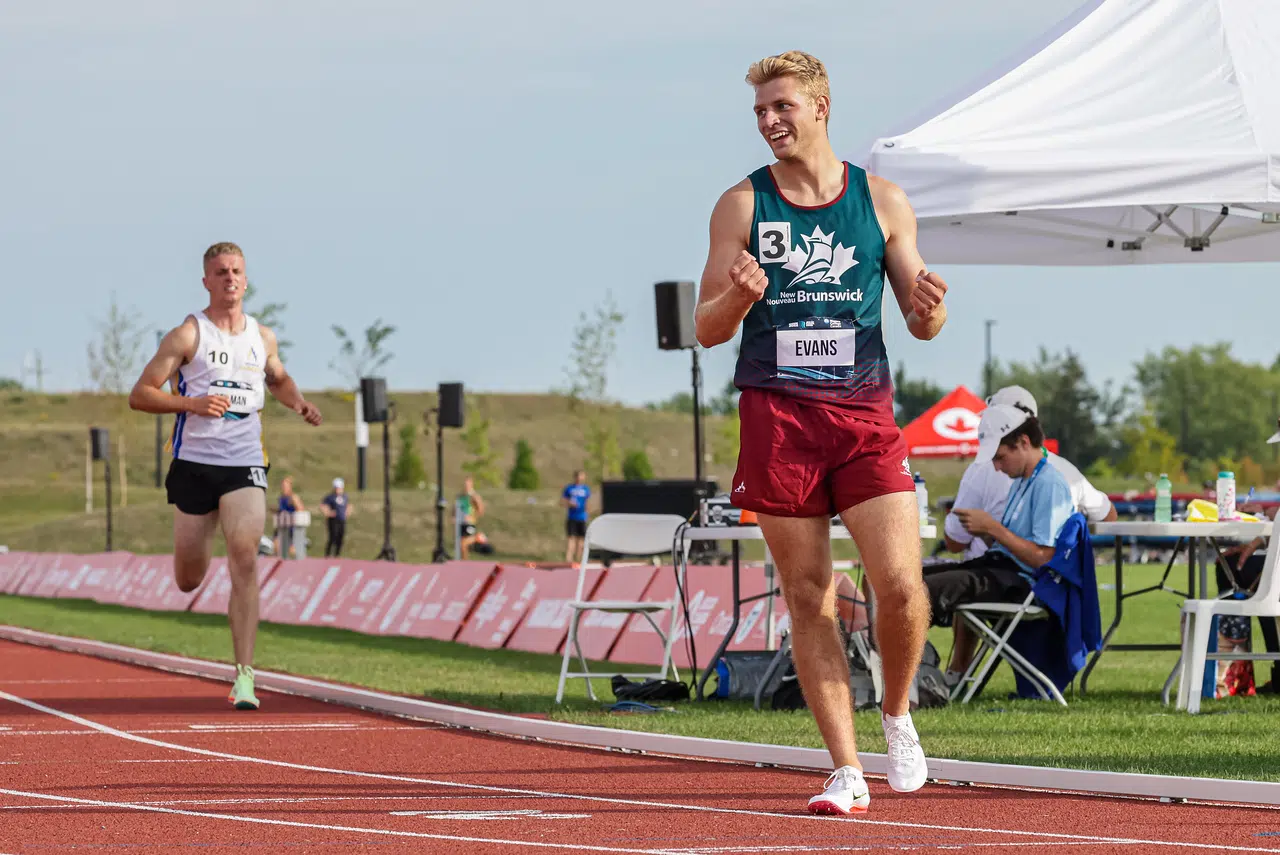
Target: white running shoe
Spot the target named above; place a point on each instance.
(846, 792)
(907, 767)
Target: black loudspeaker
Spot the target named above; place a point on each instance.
(675, 304)
(99, 444)
(655, 497)
(373, 398)
(452, 411)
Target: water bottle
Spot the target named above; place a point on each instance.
(922, 499)
(1226, 496)
(1164, 499)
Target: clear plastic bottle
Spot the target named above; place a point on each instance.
(922, 499)
(1226, 496)
(1164, 499)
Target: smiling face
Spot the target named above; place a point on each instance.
(790, 120)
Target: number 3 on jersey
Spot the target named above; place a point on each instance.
(258, 476)
(774, 241)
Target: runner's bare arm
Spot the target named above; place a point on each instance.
(176, 349)
(919, 293)
(732, 280)
(281, 385)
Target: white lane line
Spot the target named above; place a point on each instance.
(226, 817)
(297, 726)
(288, 800)
(488, 815)
(248, 728)
(90, 682)
(282, 764)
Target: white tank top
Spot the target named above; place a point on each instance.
(233, 366)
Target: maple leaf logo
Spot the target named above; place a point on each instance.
(818, 262)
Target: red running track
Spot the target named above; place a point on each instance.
(98, 756)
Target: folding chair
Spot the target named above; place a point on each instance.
(995, 623)
(1199, 615)
(628, 535)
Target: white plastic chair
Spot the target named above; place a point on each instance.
(634, 535)
(1199, 615)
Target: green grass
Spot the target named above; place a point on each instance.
(1120, 726)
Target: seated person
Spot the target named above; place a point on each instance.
(469, 509)
(1243, 564)
(983, 486)
(1019, 542)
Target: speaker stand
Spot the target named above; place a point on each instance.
(697, 424)
(388, 552)
(439, 555)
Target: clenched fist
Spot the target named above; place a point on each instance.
(212, 406)
(748, 278)
(927, 296)
(308, 411)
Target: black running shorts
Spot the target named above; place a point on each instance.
(196, 488)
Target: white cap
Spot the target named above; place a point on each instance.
(1014, 396)
(338, 484)
(997, 422)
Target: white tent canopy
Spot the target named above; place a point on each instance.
(1139, 131)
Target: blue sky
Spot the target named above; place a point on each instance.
(478, 173)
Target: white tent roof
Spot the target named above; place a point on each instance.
(1122, 137)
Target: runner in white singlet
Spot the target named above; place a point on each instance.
(220, 363)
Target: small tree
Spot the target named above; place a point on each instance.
(8, 384)
(523, 475)
(636, 467)
(1150, 450)
(594, 344)
(354, 363)
(409, 469)
(269, 315)
(117, 357)
(475, 438)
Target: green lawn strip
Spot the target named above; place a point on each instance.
(1119, 726)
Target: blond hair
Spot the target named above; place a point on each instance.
(224, 248)
(808, 70)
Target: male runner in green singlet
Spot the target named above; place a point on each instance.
(799, 252)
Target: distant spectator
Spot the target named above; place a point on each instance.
(289, 504)
(469, 509)
(336, 508)
(574, 499)
(983, 487)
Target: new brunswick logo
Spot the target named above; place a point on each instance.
(817, 262)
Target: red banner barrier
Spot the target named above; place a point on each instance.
(42, 564)
(367, 596)
(502, 607)
(215, 591)
(154, 588)
(710, 597)
(13, 566)
(546, 624)
(90, 574)
(440, 604)
(599, 631)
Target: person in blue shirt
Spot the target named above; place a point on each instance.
(336, 507)
(288, 505)
(574, 499)
(1020, 542)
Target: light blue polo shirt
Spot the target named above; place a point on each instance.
(1036, 510)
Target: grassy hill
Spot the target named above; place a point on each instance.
(42, 476)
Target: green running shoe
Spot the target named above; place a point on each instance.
(242, 696)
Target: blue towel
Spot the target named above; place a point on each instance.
(1060, 647)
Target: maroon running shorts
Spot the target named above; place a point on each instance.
(801, 459)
